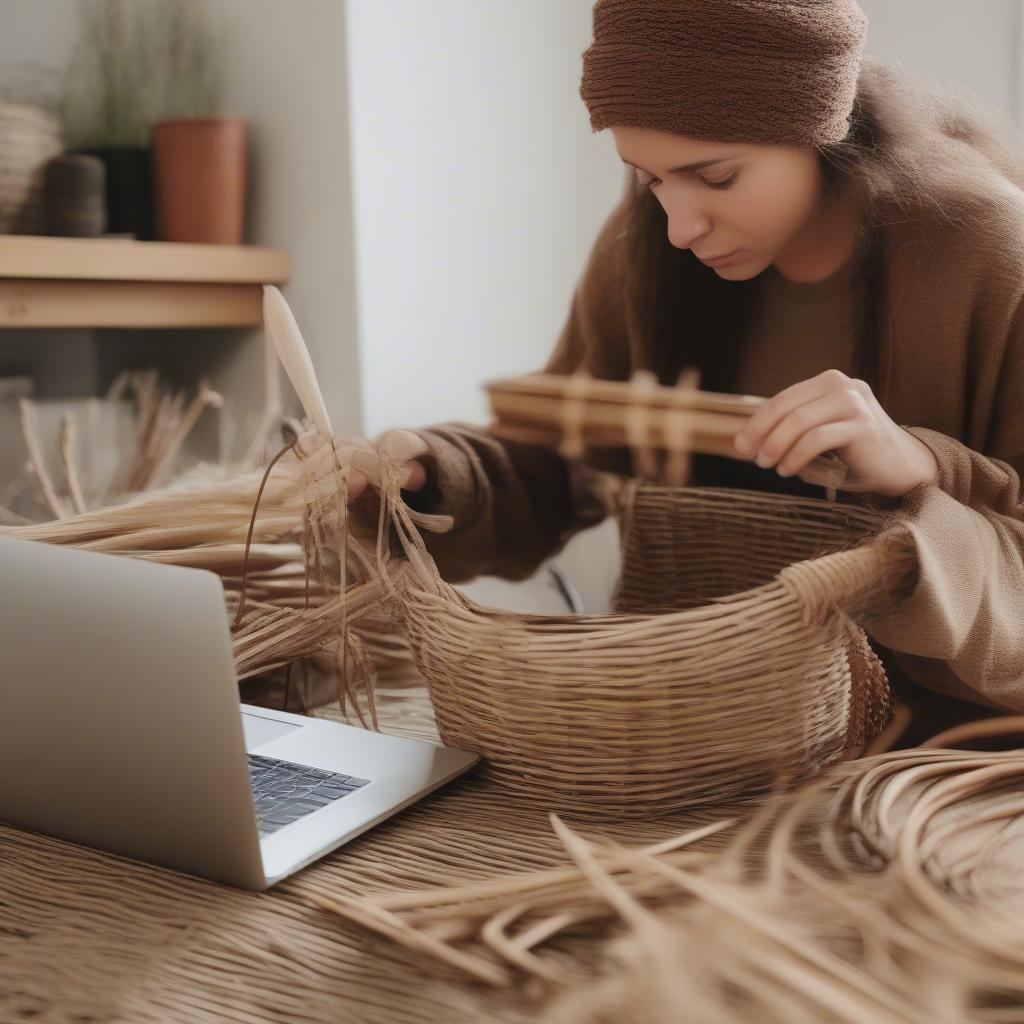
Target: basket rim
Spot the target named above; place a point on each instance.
(781, 595)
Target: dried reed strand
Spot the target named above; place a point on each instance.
(175, 437)
(164, 422)
(67, 451)
(37, 462)
(887, 890)
(273, 406)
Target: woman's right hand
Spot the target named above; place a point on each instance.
(401, 445)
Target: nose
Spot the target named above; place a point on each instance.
(687, 222)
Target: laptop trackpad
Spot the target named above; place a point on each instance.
(259, 731)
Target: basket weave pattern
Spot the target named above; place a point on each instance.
(732, 658)
(29, 138)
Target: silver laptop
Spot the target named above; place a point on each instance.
(121, 728)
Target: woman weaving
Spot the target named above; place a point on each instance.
(809, 225)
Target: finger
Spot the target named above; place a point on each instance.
(834, 407)
(416, 476)
(366, 470)
(402, 445)
(751, 438)
(322, 464)
(357, 481)
(368, 461)
(325, 487)
(405, 447)
(816, 442)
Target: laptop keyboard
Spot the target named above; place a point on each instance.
(285, 791)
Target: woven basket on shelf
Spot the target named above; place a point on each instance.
(734, 657)
(29, 139)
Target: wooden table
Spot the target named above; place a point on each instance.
(104, 282)
(88, 936)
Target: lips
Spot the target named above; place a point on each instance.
(715, 259)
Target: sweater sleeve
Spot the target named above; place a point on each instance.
(515, 504)
(961, 630)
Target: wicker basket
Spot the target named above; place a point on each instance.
(29, 139)
(734, 658)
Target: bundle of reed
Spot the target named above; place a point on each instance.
(269, 636)
(213, 523)
(296, 579)
(886, 891)
(180, 518)
(163, 421)
(571, 413)
(282, 597)
(283, 633)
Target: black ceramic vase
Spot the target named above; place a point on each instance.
(129, 189)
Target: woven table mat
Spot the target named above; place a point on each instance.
(86, 936)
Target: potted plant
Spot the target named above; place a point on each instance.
(199, 156)
(107, 105)
(143, 92)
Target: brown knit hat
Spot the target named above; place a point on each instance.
(780, 72)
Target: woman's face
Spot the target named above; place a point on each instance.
(759, 203)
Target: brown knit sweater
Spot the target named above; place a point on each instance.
(951, 371)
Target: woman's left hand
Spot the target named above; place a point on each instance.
(833, 412)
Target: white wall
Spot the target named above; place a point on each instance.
(286, 74)
(36, 37)
(478, 191)
(974, 44)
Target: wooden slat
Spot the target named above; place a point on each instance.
(107, 259)
(35, 303)
(529, 409)
(537, 409)
(624, 393)
(600, 437)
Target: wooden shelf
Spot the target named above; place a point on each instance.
(102, 282)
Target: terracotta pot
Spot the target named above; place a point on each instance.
(200, 179)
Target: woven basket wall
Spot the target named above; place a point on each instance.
(733, 659)
(29, 139)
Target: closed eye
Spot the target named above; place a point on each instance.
(727, 183)
(721, 185)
